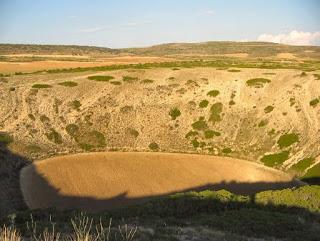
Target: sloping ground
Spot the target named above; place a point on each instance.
(98, 181)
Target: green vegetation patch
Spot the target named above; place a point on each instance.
(129, 79)
(208, 134)
(313, 172)
(234, 70)
(154, 146)
(263, 123)
(68, 84)
(316, 76)
(257, 82)
(41, 86)
(303, 164)
(72, 129)
(213, 93)
(215, 112)
(275, 159)
(133, 132)
(195, 143)
(226, 150)
(191, 134)
(54, 136)
(102, 78)
(203, 104)
(5, 138)
(201, 124)
(147, 81)
(287, 140)
(115, 82)
(314, 102)
(307, 197)
(268, 109)
(174, 113)
(76, 104)
(88, 140)
(44, 119)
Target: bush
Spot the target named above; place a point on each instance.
(201, 124)
(72, 129)
(154, 146)
(5, 138)
(213, 93)
(41, 86)
(68, 84)
(287, 140)
(76, 104)
(129, 79)
(174, 113)
(211, 133)
(102, 78)
(268, 109)
(203, 104)
(54, 136)
(271, 160)
(314, 102)
(257, 82)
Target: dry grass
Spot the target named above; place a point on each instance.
(126, 178)
(9, 234)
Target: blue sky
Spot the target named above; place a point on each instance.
(129, 23)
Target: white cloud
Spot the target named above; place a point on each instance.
(294, 38)
(133, 24)
(91, 30)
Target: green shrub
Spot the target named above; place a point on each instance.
(68, 84)
(263, 123)
(129, 79)
(232, 102)
(154, 146)
(234, 70)
(201, 124)
(203, 104)
(102, 78)
(287, 140)
(257, 82)
(303, 74)
(268, 109)
(31, 116)
(271, 160)
(33, 148)
(314, 102)
(313, 172)
(54, 136)
(76, 104)
(307, 197)
(147, 81)
(44, 119)
(213, 93)
(41, 86)
(208, 134)
(90, 139)
(174, 113)
(191, 133)
(133, 132)
(303, 164)
(5, 138)
(226, 150)
(72, 129)
(195, 143)
(115, 82)
(215, 112)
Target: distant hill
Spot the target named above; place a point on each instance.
(55, 49)
(252, 49)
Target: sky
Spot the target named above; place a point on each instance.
(138, 23)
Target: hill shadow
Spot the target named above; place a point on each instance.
(11, 199)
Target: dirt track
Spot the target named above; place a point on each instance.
(98, 181)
